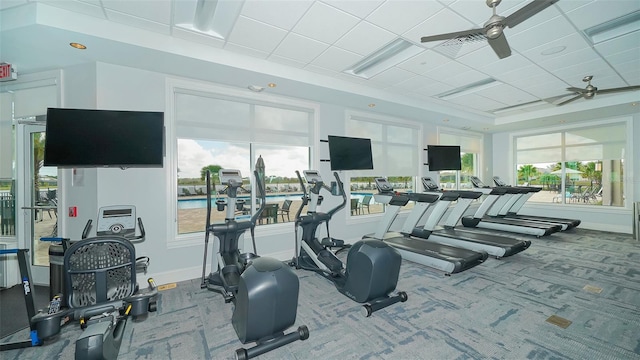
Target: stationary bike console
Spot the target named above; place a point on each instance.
(117, 220)
(230, 176)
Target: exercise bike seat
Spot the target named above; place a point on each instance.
(329, 260)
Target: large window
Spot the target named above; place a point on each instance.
(395, 147)
(581, 166)
(470, 150)
(216, 131)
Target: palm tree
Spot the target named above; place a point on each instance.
(213, 169)
(38, 162)
(526, 172)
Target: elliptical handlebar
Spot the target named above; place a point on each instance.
(263, 200)
(344, 195)
(305, 197)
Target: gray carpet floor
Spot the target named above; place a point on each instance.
(498, 310)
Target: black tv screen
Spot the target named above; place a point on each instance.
(443, 157)
(349, 153)
(92, 138)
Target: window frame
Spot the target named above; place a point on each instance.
(568, 127)
(175, 85)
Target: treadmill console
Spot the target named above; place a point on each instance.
(429, 184)
(312, 176)
(498, 181)
(383, 185)
(230, 176)
(477, 182)
(117, 220)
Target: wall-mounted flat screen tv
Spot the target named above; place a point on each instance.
(349, 153)
(443, 157)
(104, 138)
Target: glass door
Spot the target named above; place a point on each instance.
(38, 199)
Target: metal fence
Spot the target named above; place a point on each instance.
(7, 215)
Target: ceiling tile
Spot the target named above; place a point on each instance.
(392, 76)
(412, 84)
(365, 38)
(196, 36)
(619, 44)
(433, 87)
(424, 62)
(138, 22)
(360, 8)
(91, 8)
(400, 16)
(540, 35)
(246, 50)
(477, 102)
(281, 13)
(336, 59)
(540, 18)
(625, 56)
(325, 23)
(571, 43)
(287, 61)
(570, 59)
(574, 74)
(257, 35)
(601, 11)
(507, 94)
(465, 78)
(567, 6)
(159, 11)
(442, 73)
(502, 66)
(300, 48)
(445, 21)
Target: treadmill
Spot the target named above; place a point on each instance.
(495, 245)
(496, 198)
(446, 258)
(512, 210)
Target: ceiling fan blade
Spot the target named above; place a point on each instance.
(553, 99)
(527, 11)
(500, 46)
(620, 89)
(452, 35)
(576, 90)
(570, 100)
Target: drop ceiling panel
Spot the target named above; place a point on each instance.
(246, 50)
(196, 36)
(138, 22)
(444, 21)
(478, 102)
(540, 18)
(400, 16)
(465, 78)
(570, 59)
(283, 14)
(601, 11)
(433, 87)
(360, 8)
(365, 38)
(336, 59)
(442, 73)
(570, 43)
(300, 48)
(574, 73)
(5, 4)
(156, 10)
(424, 62)
(541, 34)
(508, 94)
(412, 84)
(632, 55)
(619, 44)
(256, 35)
(287, 61)
(325, 23)
(501, 66)
(92, 8)
(392, 76)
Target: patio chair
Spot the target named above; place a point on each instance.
(355, 206)
(269, 213)
(285, 210)
(365, 204)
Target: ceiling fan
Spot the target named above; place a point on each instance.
(493, 28)
(590, 91)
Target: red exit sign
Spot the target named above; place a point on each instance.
(7, 72)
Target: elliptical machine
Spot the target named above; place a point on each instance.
(264, 290)
(373, 267)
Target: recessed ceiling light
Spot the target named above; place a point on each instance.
(372, 105)
(77, 46)
(272, 85)
(554, 50)
(634, 104)
(445, 120)
(255, 88)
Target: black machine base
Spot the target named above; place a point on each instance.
(263, 347)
